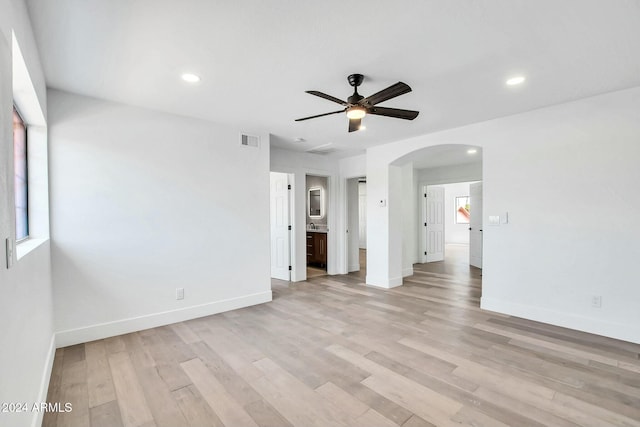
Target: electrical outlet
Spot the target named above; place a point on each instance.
(179, 293)
(10, 247)
(596, 301)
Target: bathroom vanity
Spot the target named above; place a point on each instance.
(317, 248)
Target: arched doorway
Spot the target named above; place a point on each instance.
(401, 238)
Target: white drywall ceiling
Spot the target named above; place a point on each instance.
(257, 58)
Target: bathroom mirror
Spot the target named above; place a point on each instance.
(315, 202)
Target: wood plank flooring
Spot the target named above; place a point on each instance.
(332, 352)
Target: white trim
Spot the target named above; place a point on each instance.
(44, 382)
(124, 326)
(407, 272)
(354, 267)
(384, 283)
(619, 331)
(25, 246)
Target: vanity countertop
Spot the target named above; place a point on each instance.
(323, 231)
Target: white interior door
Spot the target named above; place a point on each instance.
(353, 213)
(434, 223)
(280, 226)
(362, 210)
(475, 224)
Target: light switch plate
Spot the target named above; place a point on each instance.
(504, 219)
(10, 247)
(494, 219)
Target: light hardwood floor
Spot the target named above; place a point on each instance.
(332, 352)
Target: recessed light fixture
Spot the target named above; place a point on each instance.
(190, 78)
(299, 139)
(513, 81)
(472, 151)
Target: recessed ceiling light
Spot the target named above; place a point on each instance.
(472, 151)
(299, 139)
(515, 80)
(190, 78)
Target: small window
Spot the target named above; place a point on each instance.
(463, 210)
(20, 171)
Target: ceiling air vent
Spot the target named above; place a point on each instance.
(249, 140)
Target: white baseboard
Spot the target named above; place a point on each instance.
(36, 421)
(619, 331)
(125, 326)
(383, 282)
(407, 272)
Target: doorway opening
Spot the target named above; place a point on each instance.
(357, 226)
(440, 242)
(317, 198)
(450, 223)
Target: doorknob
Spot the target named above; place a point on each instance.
(469, 228)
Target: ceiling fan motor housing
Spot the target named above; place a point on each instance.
(358, 106)
(355, 80)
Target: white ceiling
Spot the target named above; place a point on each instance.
(441, 155)
(256, 58)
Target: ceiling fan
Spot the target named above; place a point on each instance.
(357, 106)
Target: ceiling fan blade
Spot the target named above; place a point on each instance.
(386, 94)
(354, 124)
(329, 97)
(320, 115)
(394, 112)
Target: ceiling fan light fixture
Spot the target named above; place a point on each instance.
(356, 112)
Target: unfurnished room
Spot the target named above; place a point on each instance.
(319, 213)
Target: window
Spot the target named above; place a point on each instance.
(463, 209)
(20, 170)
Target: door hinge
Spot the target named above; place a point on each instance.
(425, 252)
(425, 224)
(289, 228)
(425, 195)
(289, 268)
(288, 186)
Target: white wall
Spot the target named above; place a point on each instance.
(409, 220)
(302, 164)
(353, 167)
(26, 319)
(449, 174)
(143, 203)
(553, 256)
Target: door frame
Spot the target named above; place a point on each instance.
(352, 230)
